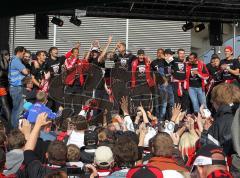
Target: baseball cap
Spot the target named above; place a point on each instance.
(204, 156)
(145, 171)
(103, 156)
(140, 51)
(169, 51)
(90, 138)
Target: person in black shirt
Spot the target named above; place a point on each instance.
(215, 72)
(155, 65)
(122, 58)
(54, 63)
(38, 70)
(230, 66)
(165, 87)
(142, 81)
(197, 74)
(121, 73)
(27, 60)
(179, 80)
(96, 59)
(4, 97)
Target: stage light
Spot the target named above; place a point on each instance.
(187, 26)
(199, 27)
(74, 20)
(57, 21)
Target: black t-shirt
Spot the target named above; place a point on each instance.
(195, 80)
(27, 65)
(234, 64)
(141, 73)
(155, 65)
(214, 72)
(167, 70)
(99, 65)
(178, 69)
(55, 66)
(124, 61)
(38, 72)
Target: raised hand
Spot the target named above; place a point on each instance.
(124, 104)
(110, 39)
(176, 111)
(42, 120)
(25, 128)
(77, 45)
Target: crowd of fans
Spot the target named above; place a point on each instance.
(116, 114)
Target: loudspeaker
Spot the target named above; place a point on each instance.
(215, 33)
(41, 26)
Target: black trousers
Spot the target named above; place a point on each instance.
(6, 112)
(184, 100)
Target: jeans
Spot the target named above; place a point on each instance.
(197, 96)
(17, 98)
(167, 99)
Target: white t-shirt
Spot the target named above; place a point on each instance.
(76, 138)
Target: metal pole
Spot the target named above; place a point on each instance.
(54, 34)
(234, 39)
(127, 23)
(14, 34)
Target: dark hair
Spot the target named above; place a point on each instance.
(2, 126)
(3, 139)
(38, 53)
(29, 52)
(74, 49)
(16, 139)
(180, 49)
(125, 152)
(79, 122)
(57, 153)
(19, 49)
(2, 160)
(215, 56)
(51, 49)
(193, 54)
(4, 52)
(26, 80)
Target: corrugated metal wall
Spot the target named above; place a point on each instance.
(145, 34)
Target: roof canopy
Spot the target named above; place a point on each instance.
(190, 10)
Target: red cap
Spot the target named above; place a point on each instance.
(229, 48)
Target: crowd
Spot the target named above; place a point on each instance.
(116, 114)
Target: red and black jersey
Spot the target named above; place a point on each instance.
(233, 64)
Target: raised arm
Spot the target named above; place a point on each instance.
(41, 121)
(101, 57)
